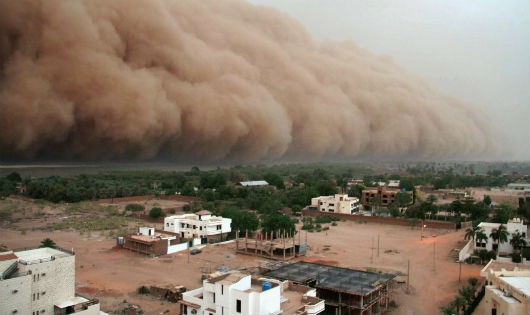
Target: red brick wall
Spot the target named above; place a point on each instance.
(432, 224)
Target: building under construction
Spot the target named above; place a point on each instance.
(346, 291)
(279, 245)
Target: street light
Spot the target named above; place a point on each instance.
(423, 226)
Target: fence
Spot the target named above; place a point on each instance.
(432, 224)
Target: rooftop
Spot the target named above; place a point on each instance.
(520, 283)
(332, 278)
(254, 183)
(40, 255)
(204, 212)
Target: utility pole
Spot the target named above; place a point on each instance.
(378, 235)
(372, 248)
(459, 271)
(408, 276)
(434, 256)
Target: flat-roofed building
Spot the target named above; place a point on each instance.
(202, 225)
(240, 294)
(151, 241)
(382, 196)
(339, 203)
(515, 225)
(507, 289)
(41, 281)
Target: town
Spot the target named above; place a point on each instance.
(399, 238)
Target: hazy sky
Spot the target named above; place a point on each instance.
(478, 51)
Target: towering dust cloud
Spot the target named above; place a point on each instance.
(208, 81)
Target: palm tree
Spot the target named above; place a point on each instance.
(517, 241)
(499, 236)
(480, 237)
(48, 242)
(472, 232)
(459, 302)
(468, 293)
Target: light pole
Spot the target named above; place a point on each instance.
(423, 226)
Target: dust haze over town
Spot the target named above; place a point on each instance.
(220, 81)
(264, 157)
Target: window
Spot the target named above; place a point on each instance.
(33, 296)
(222, 289)
(43, 274)
(214, 297)
(238, 306)
(14, 291)
(218, 227)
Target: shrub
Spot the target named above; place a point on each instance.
(156, 212)
(134, 207)
(516, 258)
(326, 219)
(143, 290)
(333, 223)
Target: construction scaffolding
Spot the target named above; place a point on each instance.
(346, 291)
(274, 245)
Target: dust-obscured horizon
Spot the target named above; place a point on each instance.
(210, 81)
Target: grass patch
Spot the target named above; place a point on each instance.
(91, 223)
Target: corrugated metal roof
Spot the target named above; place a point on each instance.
(254, 183)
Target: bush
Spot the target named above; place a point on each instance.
(134, 207)
(516, 258)
(143, 290)
(156, 212)
(326, 219)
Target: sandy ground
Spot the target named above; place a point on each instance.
(113, 275)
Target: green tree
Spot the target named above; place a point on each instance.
(480, 237)
(325, 188)
(503, 213)
(403, 199)
(499, 236)
(457, 207)
(14, 177)
(472, 232)
(468, 293)
(48, 242)
(276, 222)
(156, 212)
(487, 200)
(274, 179)
(241, 220)
(459, 303)
(517, 241)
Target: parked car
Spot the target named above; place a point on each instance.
(195, 251)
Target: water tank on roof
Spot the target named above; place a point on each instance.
(266, 286)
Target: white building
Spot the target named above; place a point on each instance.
(336, 204)
(254, 183)
(199, 225)
(239, 294)
(41, 281)
(513, 226)
(507, 290)
(519, 187)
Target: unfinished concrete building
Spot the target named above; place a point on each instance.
(278, 246)
(346, 291)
